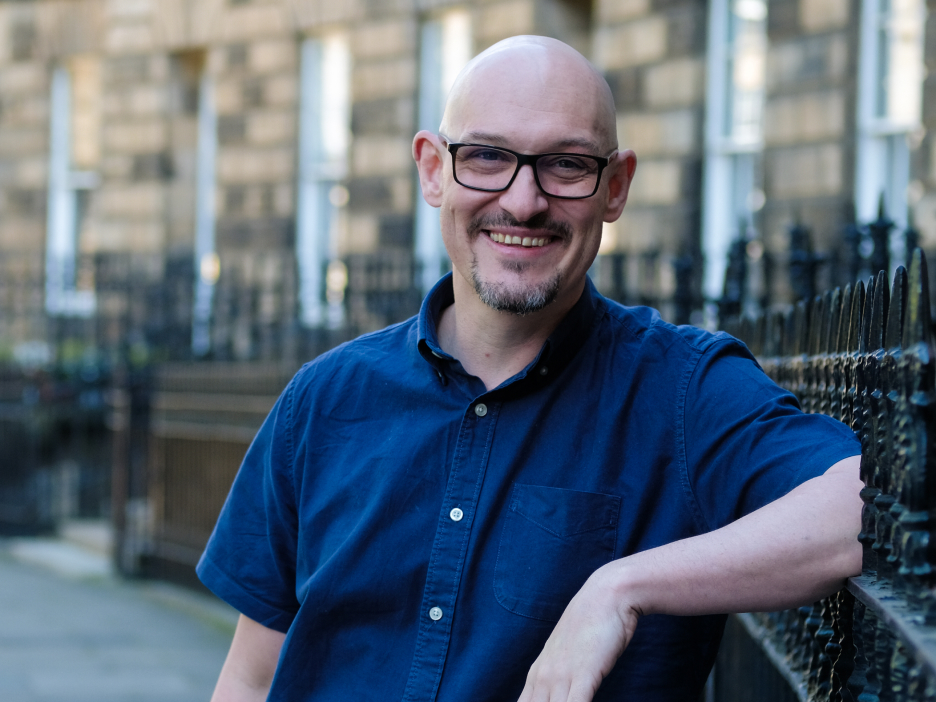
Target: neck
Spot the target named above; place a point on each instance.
(492, 345)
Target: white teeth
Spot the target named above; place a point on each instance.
(509, 240)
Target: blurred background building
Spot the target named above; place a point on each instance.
(179, 175)
(198, 195)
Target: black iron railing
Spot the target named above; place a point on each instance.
(863, 355)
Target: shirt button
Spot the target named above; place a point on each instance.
(480, 409)
(456, 515)
(435, 614)
(543, 370)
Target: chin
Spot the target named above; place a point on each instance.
(520, 300)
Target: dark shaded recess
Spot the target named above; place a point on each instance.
(158, 568)
(25, 201)
(267, 199)
(234, 198)
(626, 87)
(929, 95)
(156, 166)
(783, 20)
(237, 55)
(369, 194)
(22, 39)
(396, 230)
(690, 186)
(123, 70)
(744, 673)
(231, 129)
(253, 92)
(685, 32)
(261, 233)
(186, 69)
(386, 116)
(667, 5)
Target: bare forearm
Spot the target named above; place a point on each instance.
(793, 551)
(248, 670)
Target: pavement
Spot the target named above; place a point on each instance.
(72, 631)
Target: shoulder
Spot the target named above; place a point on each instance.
(642, 330)
(359, 363)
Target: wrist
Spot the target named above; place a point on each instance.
(621, 580)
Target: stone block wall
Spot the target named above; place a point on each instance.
(923, 157)
(653, 55)
(149, 54)
(809, 122)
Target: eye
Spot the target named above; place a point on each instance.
(484, 154)
(568, 162)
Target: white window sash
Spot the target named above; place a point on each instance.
(324, 134)
(62, 298)
(206, 265)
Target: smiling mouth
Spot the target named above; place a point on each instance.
(526, 241)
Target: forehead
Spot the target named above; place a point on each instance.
(529, 103)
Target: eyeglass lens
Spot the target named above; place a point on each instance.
(562, 175)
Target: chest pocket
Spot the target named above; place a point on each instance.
(553, 540)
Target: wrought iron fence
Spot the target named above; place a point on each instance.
(53, 440)
(862, 355)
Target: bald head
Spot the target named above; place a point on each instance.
(528, 76)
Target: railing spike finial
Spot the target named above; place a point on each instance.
(854, 319)
(916, 328)
(816, 324)
(843, 314)
(895, 314)
(880, 230)
(832, 303)
(802, 328)
(864, 343)
(911, 233)
(879, 307)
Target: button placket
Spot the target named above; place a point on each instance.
(449, 551)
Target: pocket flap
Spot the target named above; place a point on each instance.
(565, 512)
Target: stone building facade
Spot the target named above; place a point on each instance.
(252, 157)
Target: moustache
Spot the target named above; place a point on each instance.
(539, 222)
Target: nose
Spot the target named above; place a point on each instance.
(523, 199)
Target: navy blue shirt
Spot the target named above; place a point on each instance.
(417, 537)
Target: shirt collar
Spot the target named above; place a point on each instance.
(560, 347)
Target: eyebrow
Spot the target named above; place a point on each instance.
(495, 140)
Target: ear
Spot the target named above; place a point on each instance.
(429, 154)
(621, 174)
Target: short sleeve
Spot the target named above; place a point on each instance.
(250, 560)
(747, 441)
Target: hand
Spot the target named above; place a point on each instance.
(589, 638)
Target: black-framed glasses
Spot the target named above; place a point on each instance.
(493, 169)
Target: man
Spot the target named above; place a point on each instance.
(510, 496)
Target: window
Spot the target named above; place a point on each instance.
(890, 91)
(324, 138)
(737, 46)
(446, 48)
(193, 97)
(74, 154)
